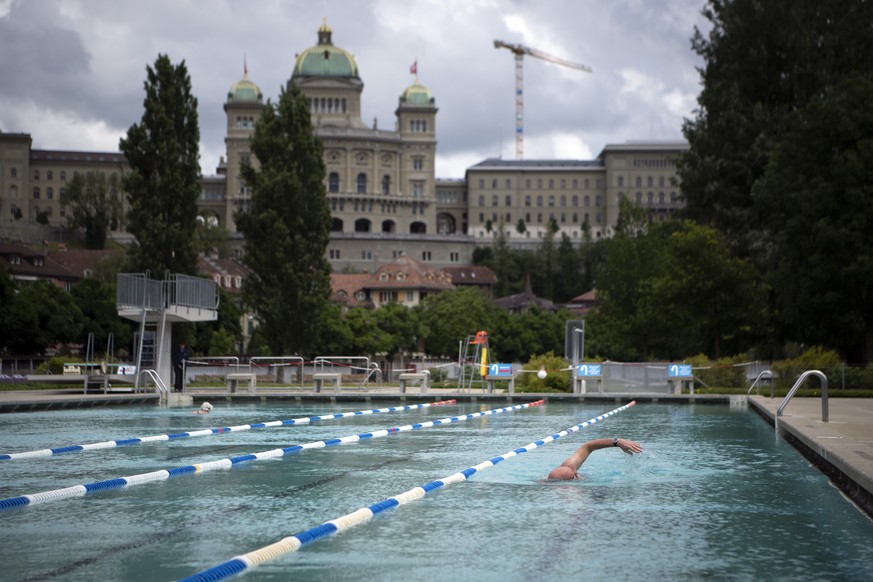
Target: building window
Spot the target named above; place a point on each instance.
(597, 200)
(650, 182)
(36, 193)
(333, 182)
(551, 200)
(386, 184)
(36, 174)
(482, 183)
(63, 176)
(527, 183)
(508, 183)
(425, 255)
(418, 164)
(540, 200)
(50, 194)
(639, 197)
(508, 200)
(367, 255)
(13, 172)
(454, 257)
(620, 181)
(586, 201)
(49, 175)
(494, 183)
(540, 217)
(418, 189)
(481, 200)
(494, 200)
(551, 184)
(362, 183)
(527, 200)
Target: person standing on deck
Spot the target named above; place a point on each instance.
(180, 357)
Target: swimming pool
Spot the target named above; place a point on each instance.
(716, 494)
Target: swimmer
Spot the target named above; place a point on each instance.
(568, 469)
(205, 408)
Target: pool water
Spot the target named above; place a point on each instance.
(716, 494)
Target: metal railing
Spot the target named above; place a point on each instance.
(276, 365)
(800, 380)
(760, 377)
(160, 387)
(138, 291)
(321, 361)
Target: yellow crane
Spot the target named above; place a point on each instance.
(519, 50)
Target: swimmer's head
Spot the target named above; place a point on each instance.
(206, 407)
(563, 473)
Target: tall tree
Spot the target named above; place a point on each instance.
(164, 182)
(762, 62)
(92, 202)
(818, 187)
(287, 228)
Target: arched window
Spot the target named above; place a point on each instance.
(386, 184)
(481, 200)
(527, 200)
(336, 225)
(362, 225)
(333, 182)
(50, 193)
(551, 200)
(362, 183)
(508, 200)
(494, 200)
(388, 226)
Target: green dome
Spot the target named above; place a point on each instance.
(244, 90)
(325, 59)
(417, 95)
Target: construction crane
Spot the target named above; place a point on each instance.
(519, 50)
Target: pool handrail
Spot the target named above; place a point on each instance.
(160, 387)
(758, 379)
(254, 362)
(800, 380)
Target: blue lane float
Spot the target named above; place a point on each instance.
(211, 431)
(245, 562)
(164, 474)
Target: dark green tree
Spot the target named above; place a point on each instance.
(762, 62)
(287, 228)
(401, 326)
(818, 188)
(228, 323)
(449, 317)
(40, 316)
(164, 180)
(96, 299)
(92, 202)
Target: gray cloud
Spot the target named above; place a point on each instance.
(73, 70)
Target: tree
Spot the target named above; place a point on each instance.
(212, 238)
(164, 180)
(400, 325)
(449, 317)
(92, 203)
(287, 228)
(762, 62)
(818, 188)
(96, 299)
(41, 315)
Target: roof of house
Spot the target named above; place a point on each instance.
(523, 300)
(471, 275)
(23, 261)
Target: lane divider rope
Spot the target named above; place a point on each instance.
(244, 562)
(164, 474)
(210, 431)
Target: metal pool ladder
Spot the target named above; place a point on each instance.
(160, 387)
(824, 393)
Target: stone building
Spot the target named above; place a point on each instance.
(385, 199)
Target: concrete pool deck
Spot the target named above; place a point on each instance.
(841, 448)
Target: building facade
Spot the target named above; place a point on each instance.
(385, 199)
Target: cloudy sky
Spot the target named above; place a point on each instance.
(72, 70)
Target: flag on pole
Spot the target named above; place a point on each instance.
(245, 67)
(413, 70)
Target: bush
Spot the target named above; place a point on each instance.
(557, 380)
(723, 373)
(54, 365)
(815, 358)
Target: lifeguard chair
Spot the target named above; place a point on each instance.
(473, 360)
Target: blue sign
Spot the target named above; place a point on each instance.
(588, 370)
(500, 370)
(679, 371)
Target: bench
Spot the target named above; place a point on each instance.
(320, 378)
(420, 377)
(490, 380)
(233, 381)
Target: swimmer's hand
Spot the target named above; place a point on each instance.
(630, 447)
